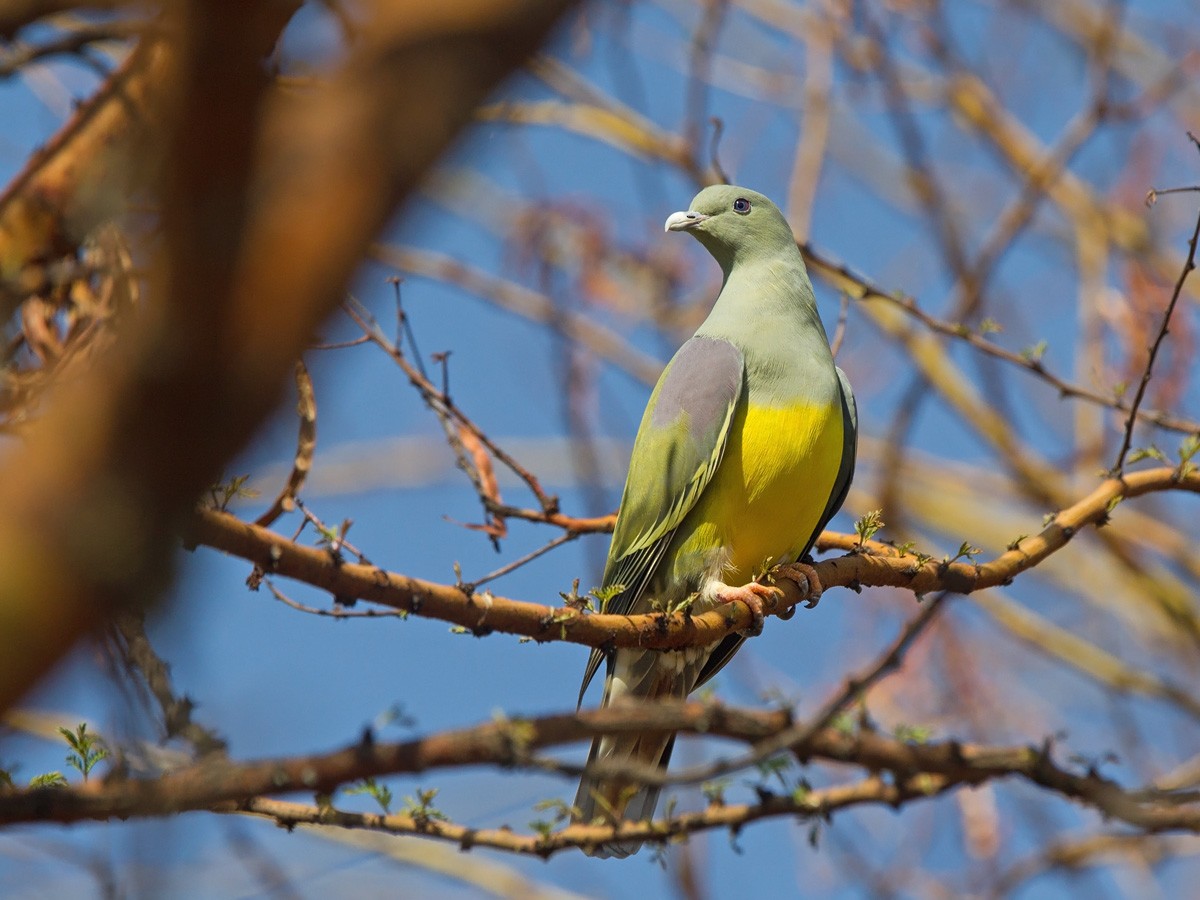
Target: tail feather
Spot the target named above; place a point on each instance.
(599, 800)
(633, 676)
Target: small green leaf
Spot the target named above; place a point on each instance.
(845, 723)
(965, 551)
(1141, 453)
(562, 811)
(49, 779)
(1033, 355)
(371, 788)
(868, 526)
(223, 493)
(605, 595)
(714, 791)
(86, 749)
(913, 734)
(543, 828)
(775, 766)
(1188, 449)
(421, 807)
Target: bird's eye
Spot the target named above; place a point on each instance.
(741, 205)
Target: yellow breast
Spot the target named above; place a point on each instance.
(769, 491)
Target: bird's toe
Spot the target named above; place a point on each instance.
(752, 595)
(805, 578)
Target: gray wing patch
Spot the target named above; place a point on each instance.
(704, 374)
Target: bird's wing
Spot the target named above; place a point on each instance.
(845, 474)
(678, 448)
(724, 651)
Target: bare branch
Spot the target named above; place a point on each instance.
(306, 445)
(916, 770)
(485, 613)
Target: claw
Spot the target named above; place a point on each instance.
(805, 578)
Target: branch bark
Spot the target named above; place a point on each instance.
(876, 565)
(915, 770)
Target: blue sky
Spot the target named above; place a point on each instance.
(274, 681)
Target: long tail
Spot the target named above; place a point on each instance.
(633, 675)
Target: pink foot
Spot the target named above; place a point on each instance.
(752, 595)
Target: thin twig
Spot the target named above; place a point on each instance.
(337, 612)
(1188, 266)
(442, 405)
(343, 345)
(699, 65)
(563, 538)
(334, 537)
(306, 444)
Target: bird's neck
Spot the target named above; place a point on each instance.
(775, 288)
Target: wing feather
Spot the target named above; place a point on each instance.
(841, 484)
(679, 446)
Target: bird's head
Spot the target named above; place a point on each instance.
(734, 224)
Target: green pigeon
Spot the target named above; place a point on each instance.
(745, 451)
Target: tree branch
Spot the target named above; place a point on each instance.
(484, 613)
(914, 771)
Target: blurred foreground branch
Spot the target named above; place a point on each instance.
(269, 203)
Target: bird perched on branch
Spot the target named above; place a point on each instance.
(744, 453)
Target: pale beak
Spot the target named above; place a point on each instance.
(682, 221)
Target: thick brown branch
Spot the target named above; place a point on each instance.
(916, 770)
(485, 612)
